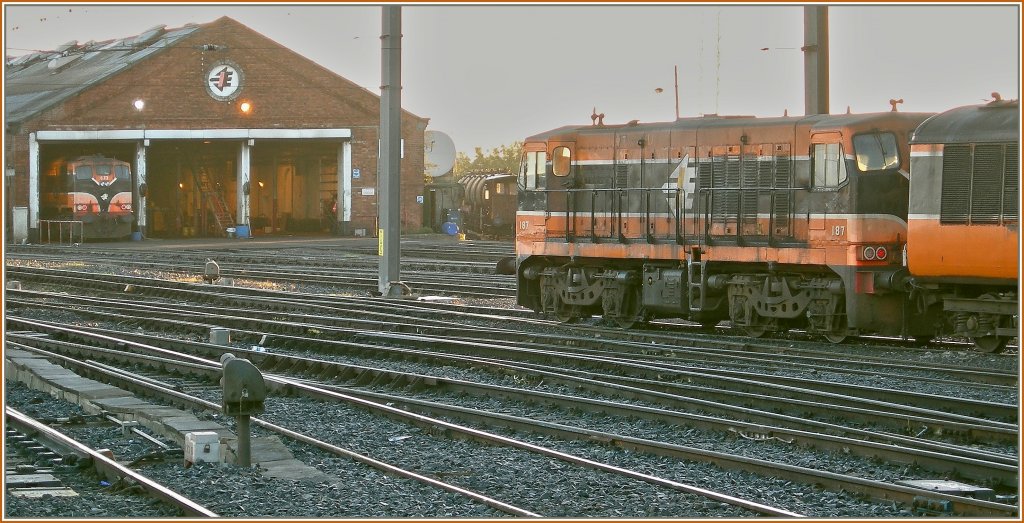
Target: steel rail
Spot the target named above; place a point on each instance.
(875, 489)
(279, 383)
(672, 341)
(105, 466)
(935, 456)
(211, 369)
(656, 390)
(798, 472)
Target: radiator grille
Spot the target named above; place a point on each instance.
(956, 184)
(1011, 189)
(979, 183)
(987, 184)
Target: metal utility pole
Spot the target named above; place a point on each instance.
(389, 175)
(676, 72)
(815, 59)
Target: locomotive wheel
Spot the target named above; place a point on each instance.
(755, 331)
(991, 344)
(836, 338)
(565, 313)
(632, 311)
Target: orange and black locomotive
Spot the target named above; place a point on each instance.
(776, 223)
(771, 223)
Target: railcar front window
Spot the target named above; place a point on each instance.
(876, 151)
(122, 172)
(829, 166)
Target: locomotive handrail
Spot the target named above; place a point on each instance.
(708, 195)
(571, 211)
(704, 209)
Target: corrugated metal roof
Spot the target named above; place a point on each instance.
(39, 81)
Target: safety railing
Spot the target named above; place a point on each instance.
(61, 231)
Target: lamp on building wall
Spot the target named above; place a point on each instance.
(245, 107)
(139, 104)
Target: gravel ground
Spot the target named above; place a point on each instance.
(554, 489)
(96, 498)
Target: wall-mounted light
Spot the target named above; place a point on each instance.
(181, 185)
(139, 104)
(261, 184)
(245, 106)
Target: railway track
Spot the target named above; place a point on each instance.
(1007, 473)
(101, 464)
(195, 367)
(346, 279)
(498, 369)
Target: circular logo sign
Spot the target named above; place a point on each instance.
(224, 81)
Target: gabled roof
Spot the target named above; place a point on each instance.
(36, 82)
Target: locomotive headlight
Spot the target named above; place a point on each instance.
(881, 253)
(869, 253)
(126, 207)
(81, 207)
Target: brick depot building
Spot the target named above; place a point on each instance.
(208, 116)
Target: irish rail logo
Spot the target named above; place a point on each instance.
(224, 81)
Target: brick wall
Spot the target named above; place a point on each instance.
(286, 89)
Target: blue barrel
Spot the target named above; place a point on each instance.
(449, 228)
(241, 231)
(137, 236)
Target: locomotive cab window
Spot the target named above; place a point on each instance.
(561, 161)
(83, 172)
(876, 151)
(533, 167)
(829, 166)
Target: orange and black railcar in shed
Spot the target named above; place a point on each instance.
(963, 229)
(94, 190)
(771, 223)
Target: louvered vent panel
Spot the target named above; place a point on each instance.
(732, 181)
(703, 183)
(782, 198)
(987, 184)
(621, 175)
(956, 184)
(766, 172)
(749, 193)
(718, 181)
(1011, 184)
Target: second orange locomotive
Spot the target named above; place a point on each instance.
(771, 223)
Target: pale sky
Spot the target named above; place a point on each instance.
(489, 75)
